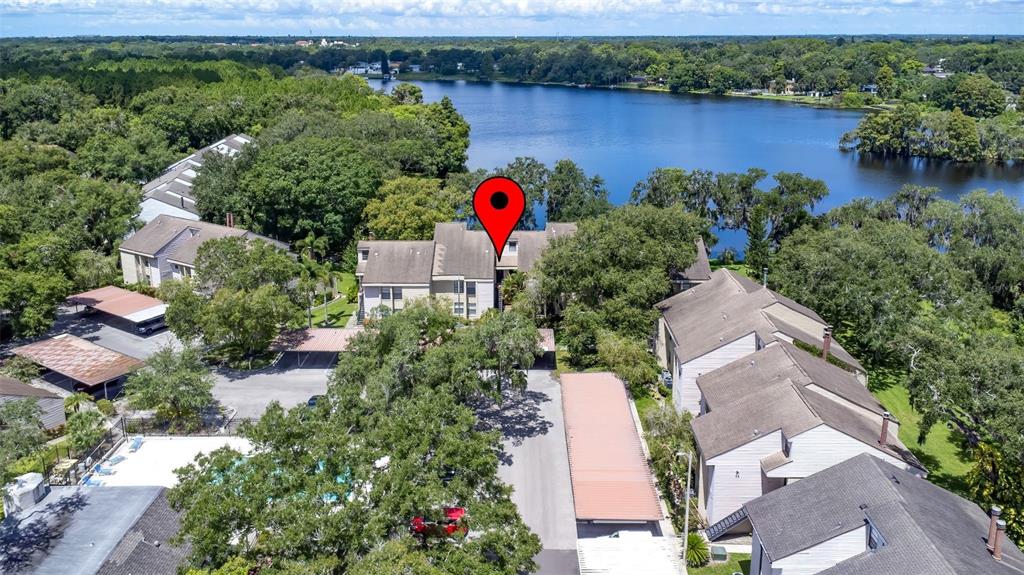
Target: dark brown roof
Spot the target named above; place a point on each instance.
(12, 387)
(607, 466)
(79, 359)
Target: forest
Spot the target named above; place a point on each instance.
(928, 292)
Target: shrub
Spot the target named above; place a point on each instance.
(697, 553)
(106, 407)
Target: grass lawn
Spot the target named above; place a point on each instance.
(941, 452)
(737, 563)
(645, 405)
(741, 269)
(337, 312)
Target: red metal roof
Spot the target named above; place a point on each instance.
(115, 300)
(610, 476)
(79, 359)
(317, 339)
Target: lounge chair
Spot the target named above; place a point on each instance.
(100, 470)
(90, 482)
(117, 459)
(135, 445)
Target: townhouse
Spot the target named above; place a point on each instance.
(866, 517)
(458, 265)
(780, 415)
(726, 318)
(167, 246)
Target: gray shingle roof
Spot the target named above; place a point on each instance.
(146, 547)
(728, 307)
(162, 230)
(461, 252)
(397, 262)
(927, 530)
(700, 269)
(776, 363)
(174, 185)
(532, 244)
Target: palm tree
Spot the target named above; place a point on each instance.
(311, 247)
(75, 401)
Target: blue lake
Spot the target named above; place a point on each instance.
(622, 135)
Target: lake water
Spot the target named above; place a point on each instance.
(622, 135)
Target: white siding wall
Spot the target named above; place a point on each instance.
(372, 297)
(160, 268)
(757, 567)
(685, 393)
(128, 270)
(823, 447)
(823, 555)
(484, 297)
(662, 343)
(728, 492)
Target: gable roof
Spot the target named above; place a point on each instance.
(927, 530)
(532, 243)
(396, 262)
(607, 466)
(462, 253)
(164, 229)
(13, 388)
(727, 307)
(700, 269)
(775, 363)
(174, 185)
(146, 547)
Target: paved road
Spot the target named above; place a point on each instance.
(536, 464)
(251, 393)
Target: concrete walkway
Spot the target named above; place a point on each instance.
(536, 463)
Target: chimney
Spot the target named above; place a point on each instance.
(997, 551)
(884, 436)
(994, 513)
(826, 342)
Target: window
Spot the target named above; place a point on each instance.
(512, 248)
(458, 308)
(471, 308)
(364, 255)
(471, 288)
(397, 293)
(460, 286)
(385, 293)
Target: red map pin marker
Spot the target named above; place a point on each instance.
(499, 203)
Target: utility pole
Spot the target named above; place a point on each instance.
(686, 515)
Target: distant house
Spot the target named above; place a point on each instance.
(727, 318)
(166, 248)
(415, 68)
(869, 88)
(867, 517)
(50, 404)
(458, 264)
(171, 192)
(778, 416)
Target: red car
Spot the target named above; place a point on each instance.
(454, 522)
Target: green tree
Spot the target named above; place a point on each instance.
(85, 429)
(572, 196)
(532, 176)
(241, 263)
(243, 323)
(74, 402)
(758, 247)
(185, 309)
(19, 368)
(176, 384)
(964, 143)
(21, 432)
(630, 360)
(979, 96)
(407, 209)
(885, 79)
(406, 93)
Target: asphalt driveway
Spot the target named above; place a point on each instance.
(536, 463)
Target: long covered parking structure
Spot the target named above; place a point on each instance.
(316, 347)
(134, 310)
(79, 365)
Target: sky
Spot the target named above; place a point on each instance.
(325, 18)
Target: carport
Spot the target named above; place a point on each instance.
(79, 364)
(128, 306)
(313, 347)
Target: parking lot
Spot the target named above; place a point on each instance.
(110, 332)
(249, 393)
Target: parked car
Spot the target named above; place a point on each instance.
(311, 402)
(150, 326)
